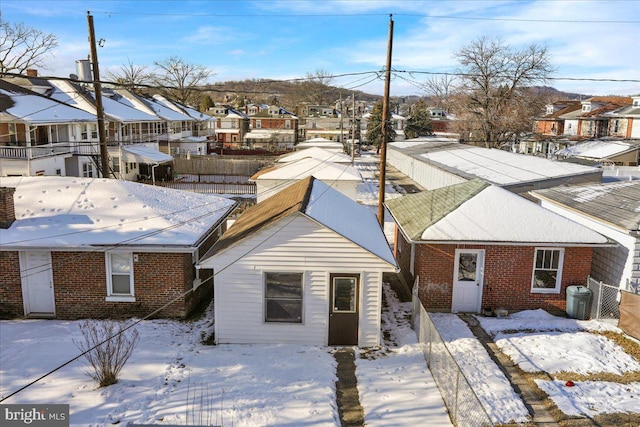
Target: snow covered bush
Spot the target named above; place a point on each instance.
(107, 345)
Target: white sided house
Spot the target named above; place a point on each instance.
(303, 267)
(343, 177)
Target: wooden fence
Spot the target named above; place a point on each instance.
(221, 165)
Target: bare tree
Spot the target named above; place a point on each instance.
(180, 79)
(440, 89)
(317, 87)
(23, 47)
(131, 76)
(107, 346)
(495, 78)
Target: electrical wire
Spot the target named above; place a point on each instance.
(121, 331)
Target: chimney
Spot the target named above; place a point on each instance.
(31, 72)
(7, 208)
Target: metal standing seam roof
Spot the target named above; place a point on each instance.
(617, 203)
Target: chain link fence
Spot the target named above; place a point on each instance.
(464, 406)
(605, 300)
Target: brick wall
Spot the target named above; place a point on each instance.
(80, 286)
(7, 207)
(507, 276)
(10, 286)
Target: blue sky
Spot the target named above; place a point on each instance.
(289, 38)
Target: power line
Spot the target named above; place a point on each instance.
(361, 14)
(121, 331)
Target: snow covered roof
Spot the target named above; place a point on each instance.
(77, 96)
(499, 167)
(143, 154)
(598, 149)
(182, 109)
(616, 203)
(322, 143)
(167, 113)
(68, 212)
(299, 169)
(27, 106)
(315, 153)
(479, 212)
(316, 200)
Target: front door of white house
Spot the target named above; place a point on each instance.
(37, 283)
(468, 270)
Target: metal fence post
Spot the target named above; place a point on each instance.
(455, 401)
(599, 301)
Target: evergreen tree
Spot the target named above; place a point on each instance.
(205, 103)
(374, 127)
(419, 123)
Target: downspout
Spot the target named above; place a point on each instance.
(153, 173)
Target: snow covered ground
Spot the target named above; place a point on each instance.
(540, 342)
(395, 385)
(500, 401)
(172, 378)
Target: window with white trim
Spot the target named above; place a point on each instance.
(115, 164)
(119, 274)
(87, 170)
(283, 297)
(547, 270)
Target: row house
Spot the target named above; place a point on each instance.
(625, 122)
(231, 126)
(126, 127)
(567, 122)
(40, 135)
(587, 119)
(138, 129)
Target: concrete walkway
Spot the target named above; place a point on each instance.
(349, 407)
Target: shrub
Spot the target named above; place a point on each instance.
(107, 345)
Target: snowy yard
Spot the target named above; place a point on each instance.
(173, 378)
(562, 349)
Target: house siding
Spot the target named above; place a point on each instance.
(428, 176)
(507, 276)
(292, 244)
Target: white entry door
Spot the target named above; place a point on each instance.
(37, 283)
(467, 280)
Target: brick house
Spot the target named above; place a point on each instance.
(93, 247)
(475, 245)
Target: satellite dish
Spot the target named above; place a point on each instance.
(73, 77)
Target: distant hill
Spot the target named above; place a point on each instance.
(289, 94)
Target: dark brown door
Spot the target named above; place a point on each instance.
(343, 309)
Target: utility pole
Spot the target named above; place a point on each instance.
(353, 128)
(97, 87)
(385, 112)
